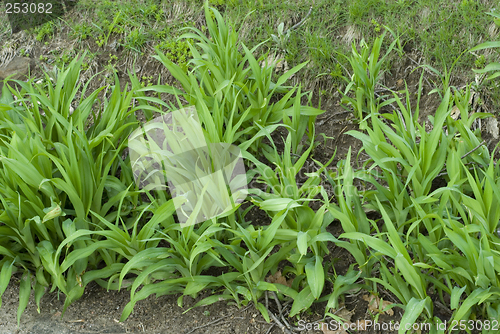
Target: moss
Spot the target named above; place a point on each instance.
(177, 51)
(44, 30)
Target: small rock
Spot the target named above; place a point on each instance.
(18, 66)
(492, 127)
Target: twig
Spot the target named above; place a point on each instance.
(464, 156)
(277, 303)
(269, 330)
(300, 23)
(475, 148)
(280, 325)
(425, 69)
(385, 89)
(280, 309)
(338, 137)
(323, 121)
(217, 320)
(208, 324)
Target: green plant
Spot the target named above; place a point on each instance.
(82, 31)
(177, 51)
(376, 26)
(233, 101)
(301, 230)
(134, 36)
(135, 39)
(45, 30)
(147, 81)
(492, 67)
(282, 184)
(480, 62)
(24, 53)
(366, 71)
(56, 170)
(221, 2)
(282, 37)
(64, 59)
(427, 228)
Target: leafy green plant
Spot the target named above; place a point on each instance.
(282, 37)
(282, 183)
(135, 39)
(82, 31)
(177, 51)
(492, 67)
(427, 226)
(229, 96)
(54, 163)
(366, 71)
(45, 30)
(296, 232)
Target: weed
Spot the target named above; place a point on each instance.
(23, 52)
(376, 26)
(493, 67)
(178, 51)
(64, 59)
(366, 70)
(44, 31)
(82, 31)
(237, 98)
(135, 39)
(71, 212)
(421, 224)
(147, 81)
(480, 62)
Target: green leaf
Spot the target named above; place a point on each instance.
(24, 294)
(373, 242)
(302, 242)
(456, 293)
(475, 298)
(263, 311)
(315, 276)
(486, 45)
(5, 276)
(413, 310)
(304, 300)
(278, 204)
(39, 292)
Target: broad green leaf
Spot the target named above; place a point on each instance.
(412, 311)
(24, 294)
(315, 276)
(304, 300)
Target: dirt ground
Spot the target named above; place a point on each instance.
(99, 311)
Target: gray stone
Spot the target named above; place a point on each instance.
(492, 127)
(18, 67)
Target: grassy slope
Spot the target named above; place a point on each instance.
(433, 32)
